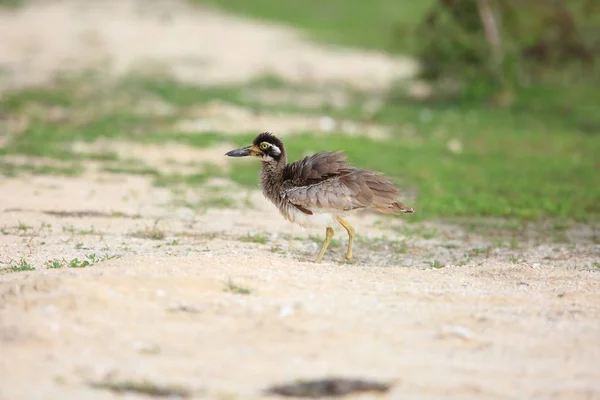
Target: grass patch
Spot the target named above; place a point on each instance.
(346, 22)
(20, 266)
(11, 3)
(255, 238)
(91, 109)
(235, 288)
(87, 261)
(436, 264)
(381, 244)
(207, 170)
(164, 180)
(216, 201)
(508, 163)
(131, 170)
(153, 232)
(516, 170)
(216, 197)
(12, 170)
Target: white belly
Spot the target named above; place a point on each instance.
(315, 220)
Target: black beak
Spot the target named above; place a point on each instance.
(241, 152)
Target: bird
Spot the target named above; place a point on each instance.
(318, 191)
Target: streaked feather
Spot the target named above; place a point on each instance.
(326, 181)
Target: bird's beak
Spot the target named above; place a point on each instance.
(243, 152)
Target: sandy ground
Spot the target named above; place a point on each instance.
(195, 45)
(514, 317)
(491, 328)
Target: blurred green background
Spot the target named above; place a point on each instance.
(511, 127)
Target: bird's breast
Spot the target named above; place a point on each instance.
(314, 220)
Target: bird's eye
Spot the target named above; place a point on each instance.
(264, 145)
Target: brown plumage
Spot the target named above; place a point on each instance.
(326, 180)
(319, 189)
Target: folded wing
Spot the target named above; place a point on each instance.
(326, 181)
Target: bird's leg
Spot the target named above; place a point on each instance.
(328, 236)
(350, 231)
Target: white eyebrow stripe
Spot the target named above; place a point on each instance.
(276, 150)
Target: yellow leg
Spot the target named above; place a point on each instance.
(328, 236)
(350, 231)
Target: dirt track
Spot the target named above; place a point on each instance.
(500, 320)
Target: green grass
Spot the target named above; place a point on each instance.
(10, 4)
(504, 170)
(518, 163)
(255, 238)
(436, 264)
(131, 170)
(87, 261)
(346, 22)
(12, 170)
(235, 288)
(20, 266)
(111, 111)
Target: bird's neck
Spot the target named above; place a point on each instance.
(271, 178)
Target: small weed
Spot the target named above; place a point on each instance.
(596, 265)
(79, 246)
(137, 170)
(88, 260)
(21, 227)
(77, 263)
(436, 264)
(69, 229)
(335, 243)
(154, 233)
(9, 169)
(402, 248)
(481, 251)
(277, 249)
(146, 388)
(422, 231)
(92, 258)
(215, 197)
(232, 287)
(514, 259)
(218, 202)
(55, 264)
(22, 265)
(428, 235)
(90, 231)
(256, 238)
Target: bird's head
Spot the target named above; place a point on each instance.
(265, 146)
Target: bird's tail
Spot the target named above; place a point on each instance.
(375, 191)
(396, 208)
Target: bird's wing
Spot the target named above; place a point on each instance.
(326, 181)
(313, 182)
(334, 193)
(316, 168)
